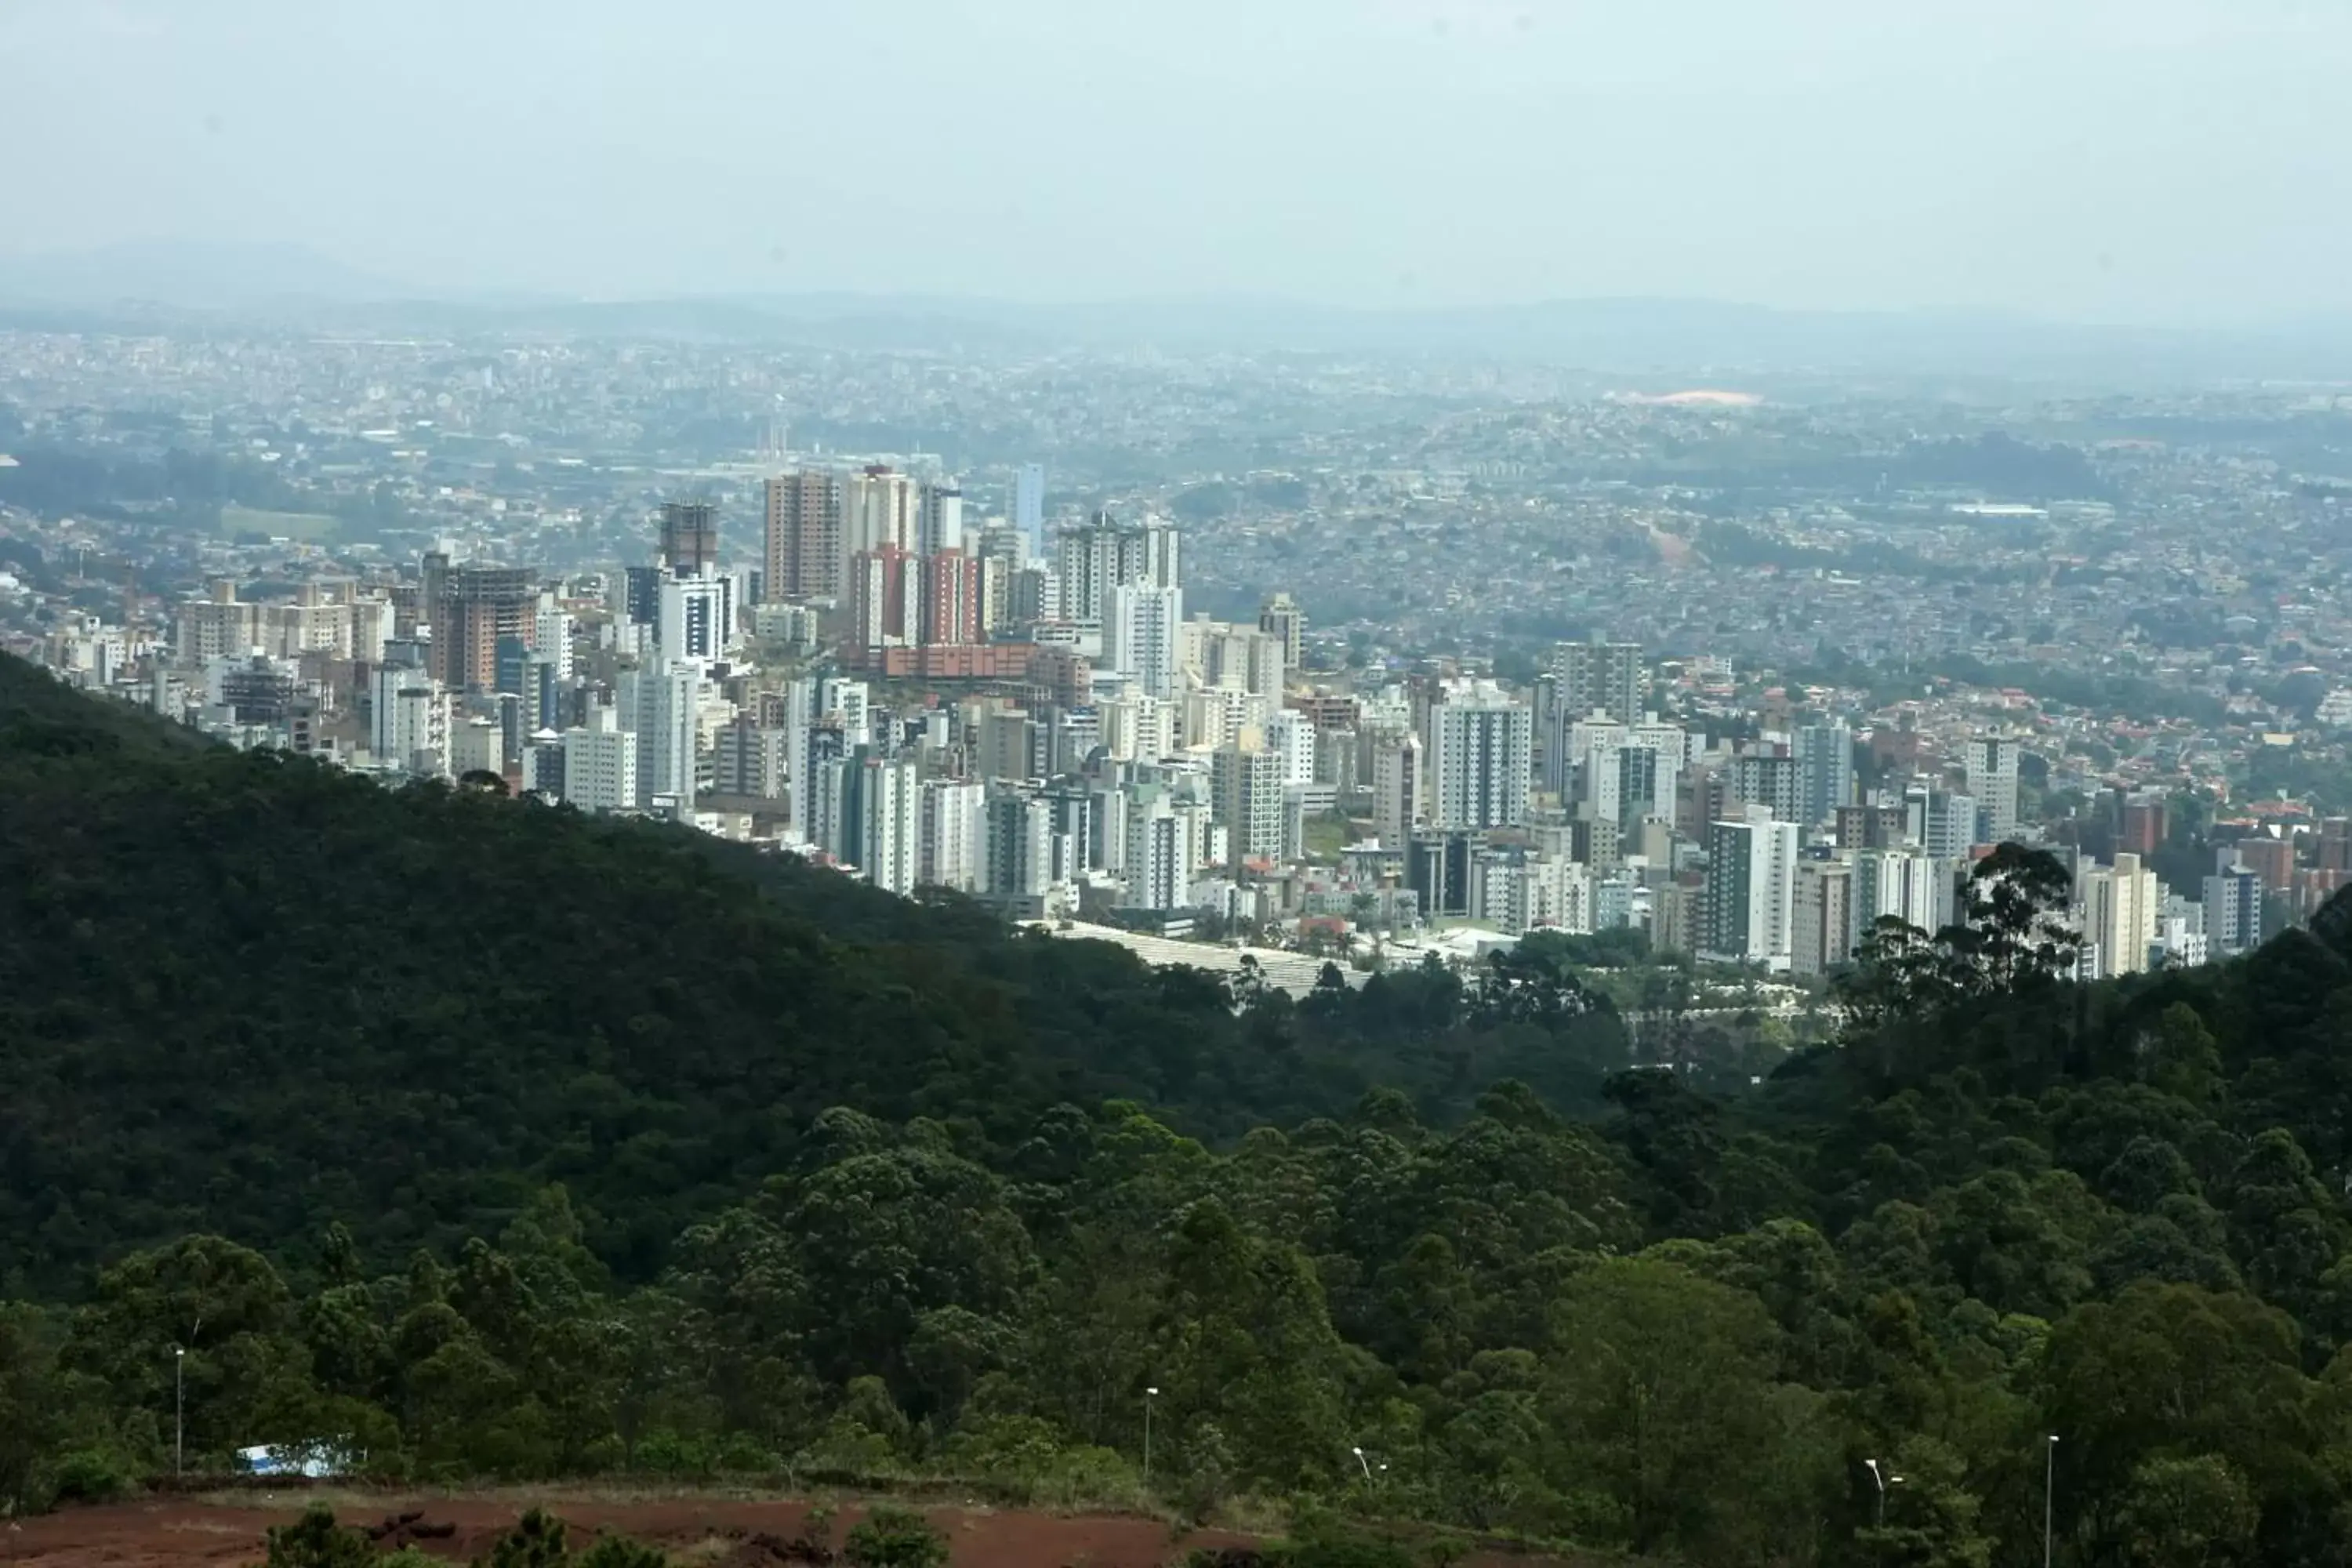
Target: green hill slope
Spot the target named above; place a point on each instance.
(246, 994)
(264, 1028)
(243, 992)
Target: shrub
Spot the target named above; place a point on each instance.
(894, 1537)
(89, 1475)
(662, 1452)
(537, 1542)
(316, 1540)
(621, 1552)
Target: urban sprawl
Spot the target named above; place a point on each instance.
(1280, 663)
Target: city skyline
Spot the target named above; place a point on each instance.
(1342, 781)
(1357, 655)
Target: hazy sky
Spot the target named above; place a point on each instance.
(2123, 160)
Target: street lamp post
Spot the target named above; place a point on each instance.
(179, 1410)
(1367, 1464)
(1149, 1394)
(1882, 1480)
(2049, 1495)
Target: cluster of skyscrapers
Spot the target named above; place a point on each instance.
(1060, 730)
(1028, 714)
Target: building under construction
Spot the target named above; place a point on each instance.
(476, 605)
(690, 538)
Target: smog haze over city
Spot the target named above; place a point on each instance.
(1304, 783)
(2158, 162)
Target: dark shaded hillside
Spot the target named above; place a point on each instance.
(248, 993)
(264, 1026)
(243, 991)
(43, 721)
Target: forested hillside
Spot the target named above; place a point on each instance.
(248, 993)
(510, 1144)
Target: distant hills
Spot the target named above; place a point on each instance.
(162, 281)
(186, 275)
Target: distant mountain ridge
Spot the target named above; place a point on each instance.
(155, 281)
(193, 275)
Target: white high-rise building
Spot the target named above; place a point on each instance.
(1623, 774)
(600, 769)
(1093, 560)
(1750, 891)
(1245, 780)
(1105, 824)
(1908, 885)
(1135, 728)
(1585, 751)
(1822, 928)
(1669, 741)
(879, 509)
(662, 709)
(1600, 678)
(2120, 904)
(941, 525)
(1010, 745)
(1219, 715)
(1339, 760)
(1139, 631)
(477, 746)
(1390, 708)
(220, 627)
(1029, 508)
(552, 636)
(838, 697)
(543, 763)
(1767, 778)
(2182, 937)
(1481, 754)
(1673, 750)
(1557, 894)
(1992, 783)
(1825, 755)
(1596, 778)
(1943, 824)
(1520, 893)
(1291, 735)
(880, 831)
(829, 804)
(1281, 618)
(954, 835)
(372, 621)
(384, 688)
(2233, 910)
(1086, 567)
(409, 727)
(747, 760)
(801, 699)
(1167, 839)
(692, 619)
(1244, 657)
(1647, 783)
(1396, 789)
(1020, 833)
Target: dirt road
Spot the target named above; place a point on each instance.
(697, 1531)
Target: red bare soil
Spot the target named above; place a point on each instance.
(697, 1531)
